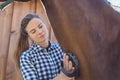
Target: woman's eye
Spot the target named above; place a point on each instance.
(33, 31)
(40, 26)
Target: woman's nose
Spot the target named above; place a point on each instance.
(39, 31)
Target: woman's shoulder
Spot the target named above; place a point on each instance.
(30, 52)
(27, 53)
(55, 45)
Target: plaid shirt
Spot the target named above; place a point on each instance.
(38, 63)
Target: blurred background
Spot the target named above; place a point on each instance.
(10, 18)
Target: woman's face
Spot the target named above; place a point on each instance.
(37, 31)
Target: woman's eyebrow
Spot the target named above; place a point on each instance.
(39, 24)
(34, 28)
(31, 30)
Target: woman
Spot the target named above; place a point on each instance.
(42, 60)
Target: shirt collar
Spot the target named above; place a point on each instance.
(37, 46)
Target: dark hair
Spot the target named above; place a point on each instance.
(23, 43)
(25, 22)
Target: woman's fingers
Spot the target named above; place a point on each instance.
(70, 67)
(67, 64)
(64, 61)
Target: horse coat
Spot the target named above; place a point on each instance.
(90, 29)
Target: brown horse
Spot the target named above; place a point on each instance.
(91, 30)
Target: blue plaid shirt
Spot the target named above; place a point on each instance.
(41, 63)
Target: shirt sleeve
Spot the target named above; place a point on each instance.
(60, 52)
(27, 68)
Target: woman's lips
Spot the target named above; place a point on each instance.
(42, 36)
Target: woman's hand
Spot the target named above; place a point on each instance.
(67, 64)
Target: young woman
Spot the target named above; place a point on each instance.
(42, 60)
